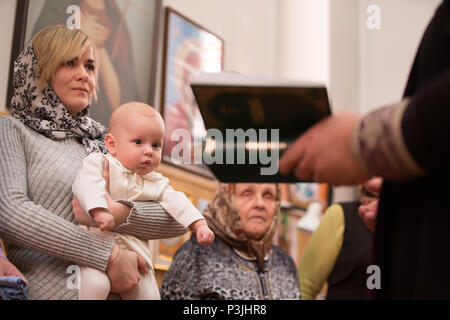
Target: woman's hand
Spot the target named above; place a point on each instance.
(80, 215)
(123, 269)
(118, 210)
(8, 269)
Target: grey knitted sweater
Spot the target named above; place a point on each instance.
(36, 219)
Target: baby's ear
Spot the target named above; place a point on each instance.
(110, 144)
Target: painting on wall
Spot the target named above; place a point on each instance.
(286, 234)
(188, 50)
(304, 193)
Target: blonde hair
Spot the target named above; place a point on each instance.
(56, 44)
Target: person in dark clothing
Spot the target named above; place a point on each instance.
(338, 253)
(405, 144)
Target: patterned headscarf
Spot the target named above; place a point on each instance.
(42, 110)
(224, 220)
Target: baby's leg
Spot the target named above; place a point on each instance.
(94, 284)
(147, 289)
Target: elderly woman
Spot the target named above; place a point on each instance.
(242, 263)
(43, 146)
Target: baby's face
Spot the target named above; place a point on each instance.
(139, 142)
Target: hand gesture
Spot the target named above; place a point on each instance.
(324, 153)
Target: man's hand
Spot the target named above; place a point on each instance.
(369, 211)
(324, 153)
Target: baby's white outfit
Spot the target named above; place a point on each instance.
(90, 189)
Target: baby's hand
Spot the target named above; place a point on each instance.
(204, 235)
(105, 219)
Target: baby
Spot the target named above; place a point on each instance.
(134, 142)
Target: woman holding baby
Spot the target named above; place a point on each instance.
(43, 146)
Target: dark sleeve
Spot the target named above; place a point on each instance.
(181, 280)
(426, 125)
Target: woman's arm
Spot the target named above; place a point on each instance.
(145, 220)
(148, 220)
(29, 225)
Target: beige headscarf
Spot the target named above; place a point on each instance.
(224, 220)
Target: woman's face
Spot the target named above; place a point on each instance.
(74, 82)
(256, 204)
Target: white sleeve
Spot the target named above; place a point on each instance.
(179, 207)
(89, 185)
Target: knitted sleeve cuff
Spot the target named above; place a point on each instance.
(379, 146)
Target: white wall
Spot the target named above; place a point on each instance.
(304, 42)
(388, 53)
(7, 15)
(344, 55)
(249, 33)
(249, 29)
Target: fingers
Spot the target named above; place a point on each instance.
(105, 172)
(292, 157)
(374, 185)
(75, 203)
(106, 222)
(8, 269)
(303, 170)
(205, 238)
(142, 266)
(369, 214)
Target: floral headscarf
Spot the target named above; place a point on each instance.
(224, 220)
(42, 110)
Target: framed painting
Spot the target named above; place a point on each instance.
(125, 33)
(188, 49)
(304, 193)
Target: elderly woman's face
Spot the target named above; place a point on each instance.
(256, 204)
(74, 82)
